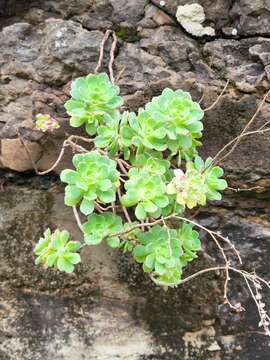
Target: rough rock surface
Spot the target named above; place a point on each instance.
(249, 18)
(108, 309)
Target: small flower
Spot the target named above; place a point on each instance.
(179, 174)
(45, 122)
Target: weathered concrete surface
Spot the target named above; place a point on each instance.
(108, 309)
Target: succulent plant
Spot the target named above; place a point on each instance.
(115, 135)
(198, 184)
(95, 179)
(45, 122)
(146, 191)
(170, 121)
(99, 227)
(93, 97)
(142, 151)
(164, 251)
(152, 161)
(55, 250)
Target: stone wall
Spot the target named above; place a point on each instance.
(108, 309)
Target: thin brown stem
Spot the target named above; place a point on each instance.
(203, 95)
(188, 278)
(256, 113)
(60, 156)
(102, 208)
(244, 131)
(82, 138)
(264, 125)
(218, 98)
(124, 209)
(247, 189)
(121, 166)
(77, 217)
(98, 209)
(215, 160)
(101, 50)
(112, 51)
(139, 225)
(76, 147)
(125, 163)
(120, 74)
(66, 143)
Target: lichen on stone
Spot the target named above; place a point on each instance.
(191, 18)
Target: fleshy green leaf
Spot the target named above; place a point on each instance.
(64, 265)
(73, 258)
(92, 239)
(87, 207)
(113, 242)
(140, 212)
(73, 195)
(69, 176)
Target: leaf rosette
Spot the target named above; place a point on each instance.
(55, 250)
(190, 241)
(164, 251)
(146, 191)
(100, 227)
(199, 183)
(95, 179)
(152, 161)
(170, 121)
(93, 97)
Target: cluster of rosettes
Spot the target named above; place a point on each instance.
(95, 179)
(170, 121)
(154, 141)
(198, 184)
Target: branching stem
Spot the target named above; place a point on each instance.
(77, 217)
(124, 209)
(218, 98)
(243, 133)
